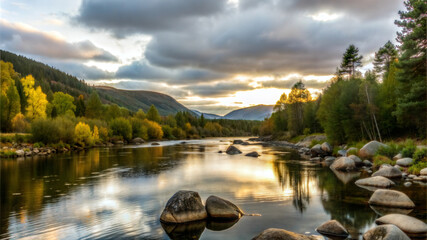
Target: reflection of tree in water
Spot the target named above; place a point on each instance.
(296, 177)
(346, 203)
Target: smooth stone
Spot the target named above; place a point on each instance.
(252, 154)
(326, 147)
(184, 206)
(332, 228)
(410, 225)
(238, 141)
(370, 149)
(343, 164)
(330, 159)
(384, 165)
(217, 207)
(316, 150)
(397, 156)
(20, 152)
(389, 172)
(423, 172)
(245, 143)
(232, 150)
(391, 198)
(418, 179)
(219, 151)
(405, 162)
(138, 140)
(367, 163)
(411, 176)
(342, 152)
(378, 181)
(155, 144)
(407, 184)
(356, 159)
(385, 232)
(316, 159)
(281, 234)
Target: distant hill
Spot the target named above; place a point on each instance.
(53, 80)
(206, 115)
(136, 99)
(259, 112)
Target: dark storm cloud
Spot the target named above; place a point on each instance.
(221, 89)
(148, 16)
(82, 71)
(22, 39)
(142, 70)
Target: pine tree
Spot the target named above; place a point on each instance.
(80, 106)
(153, 114)
(94, 106)
(351, 61)
(411, 108)
(384, 57)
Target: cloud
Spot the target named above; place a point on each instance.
(278, 83)
(24, 39)
(82, 71)
(142, 70)
(219, 89)
(134, 16)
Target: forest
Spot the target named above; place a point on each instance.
(386, 102)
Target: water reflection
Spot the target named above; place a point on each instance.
(120, 193)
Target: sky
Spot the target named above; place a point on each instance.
(212, 55)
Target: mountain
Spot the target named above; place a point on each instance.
(259, 112)
(136, 99)
(53, 80)
(206, 115)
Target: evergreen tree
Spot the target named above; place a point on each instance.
(384, 57)
(153, 114)
(94, 106)
(80, 106)
(351, 61)
(411, 109)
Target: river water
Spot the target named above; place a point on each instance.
(119, 193)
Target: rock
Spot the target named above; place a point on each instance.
(405, 175)
(381, 210)
(238, 141)
(343, 164)
(318, 159)
(356, 159)
(388, 172)
(119, 142)
(306, 142)
(220, 224)
(190, 230)
(391, 198)
(219, 151)
(326, 147)
(418, 179)
(330, 158)
(367, 163)
(252, 154)
(407, 184)
(342, 153)
(138, 140)
(316, 150)
(281, 234)
(332, 228)
(217, 207)
(232, 150)
(405, 162)
(378, 181)
(410, 225)
(423, 172)
(370, 149)
(184, 206)
(385, 232)
(412, 176)
(398, 156)
(245, 143)
(36, 150)
(155, 144)
(384, 165)
(20, 152)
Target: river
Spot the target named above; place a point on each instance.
(119, 193)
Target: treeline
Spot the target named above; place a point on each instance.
(386, 102)
(69, 120)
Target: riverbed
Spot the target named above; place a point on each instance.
(119, 193)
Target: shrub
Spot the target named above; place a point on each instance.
(121, 127)
(138, 128)
(103, 134)
(19, 124)
(95, 134)
(178, 133)
(7, 153)
(380, 160)
(420, 154)
(65, 129)
(38, 145)
(416, 168)
(306, 131)
(154, 130)
(83, 135)
(167, 132)
(409, 148)
(45, 131)
(389, 151)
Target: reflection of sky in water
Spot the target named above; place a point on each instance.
(120, 193)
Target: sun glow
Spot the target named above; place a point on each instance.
(325, 16)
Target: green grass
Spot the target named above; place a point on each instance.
(380, 160)
(15, 137)
(7, 153)
(416, 168)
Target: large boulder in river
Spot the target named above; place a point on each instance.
(385, 232)
(343, 164)
(388, 172)
(326, 147)
(252, 154)
(232, 150)
(410, 225)
(423, 172)
(138, 140)
(378, 181)
(405, 162)
(316, 151)
(184, 206)
(217, 207)
(391, 198)
(332, 228)
(281, 234)
(370, 149)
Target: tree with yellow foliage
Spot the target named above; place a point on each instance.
(9, 98)
(295, 107)
(36, 99)
(83, 135)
